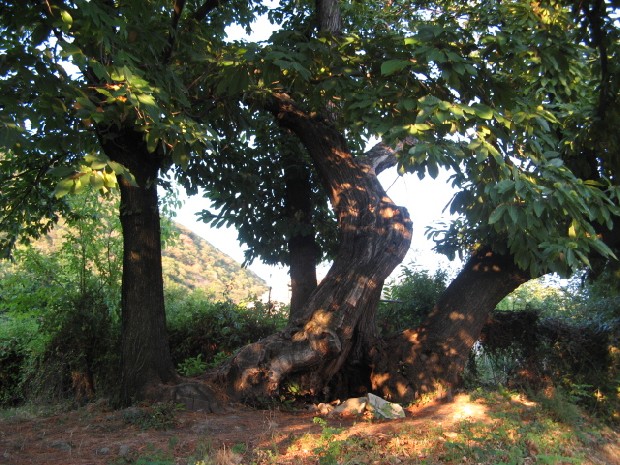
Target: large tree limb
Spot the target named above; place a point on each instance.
(328, 14)
(433, 357)
(383, 156)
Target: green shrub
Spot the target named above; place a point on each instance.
(12, 357)
(192, 366)
(60, 330)
(576, 358)
(408, 300)
(199, 327)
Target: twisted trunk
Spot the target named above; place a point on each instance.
(374, 236)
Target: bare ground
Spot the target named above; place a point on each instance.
(94, 435)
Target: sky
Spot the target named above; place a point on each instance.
(424, 199)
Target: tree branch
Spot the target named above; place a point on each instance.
(177, 10)
(207, 7)
(328, 14)
(382, 156)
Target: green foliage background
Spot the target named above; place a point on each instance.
(60, 304)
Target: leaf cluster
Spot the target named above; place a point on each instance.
(509, 96)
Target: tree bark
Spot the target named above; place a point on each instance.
(303, 249)
(431, 359)
(374, 236)
(145, 353)
(328, 14)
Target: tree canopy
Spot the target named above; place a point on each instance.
(516, 98)
(505, 94)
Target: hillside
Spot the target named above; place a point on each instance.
(190, 263)
(193, 263)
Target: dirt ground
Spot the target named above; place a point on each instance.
(94, 435)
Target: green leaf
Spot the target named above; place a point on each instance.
(148, 103)
(117, 74)
(180, 155)
(96, 180)
(513, 211)
(538, 209)
(505, 185)
(66, 19)
(120, 170)
(151, 141)
(497, 214)
(482, 111)
(96, 161)
(61, 171)
(433, 169)
(393, 66)
(64, 187)
(557, 162)
(100, 71)
(409, 104)
(415, 129)
(481, 155)
(603, 249)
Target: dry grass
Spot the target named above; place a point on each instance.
(485, 428)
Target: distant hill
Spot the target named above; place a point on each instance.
(193, 263)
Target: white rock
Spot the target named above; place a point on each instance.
(353, 406)
(381, 408)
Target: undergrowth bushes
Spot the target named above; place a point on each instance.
(68, 351)
(71, 349)
(207, 332)
(578, 357)
(407, 301)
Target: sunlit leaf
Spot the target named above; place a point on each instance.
(64, 187)
(67, 19)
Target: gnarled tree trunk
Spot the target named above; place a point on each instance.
(145, 353)
(374, 236)
(432, 358)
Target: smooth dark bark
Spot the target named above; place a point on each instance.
(432, 358)
(374, 236)
(145, 353)
(328, 15)
(302, 246)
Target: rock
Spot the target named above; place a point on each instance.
(103, 451)
(324, 409)
(195, 396)
(351, 407)
(124, 450)
(61, 445)
(381, 408)
(378, 407)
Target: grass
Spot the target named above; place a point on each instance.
(515, 431)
